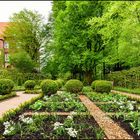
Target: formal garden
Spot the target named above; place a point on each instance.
(76, 76)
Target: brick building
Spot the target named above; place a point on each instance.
(4, 54)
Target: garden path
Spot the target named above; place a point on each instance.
(134, 96)
(14, 102)
(111, 129)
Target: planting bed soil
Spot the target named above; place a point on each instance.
(52, 127)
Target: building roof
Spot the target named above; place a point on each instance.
(3, 25)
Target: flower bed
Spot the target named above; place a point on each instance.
(52, 127)
(62, 102)
(126, 111)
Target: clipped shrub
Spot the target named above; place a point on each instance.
(6, 86)
(29, 84)
(74, 86)
(94, 83)
(103, 86)
(60, 83)
(49, 87)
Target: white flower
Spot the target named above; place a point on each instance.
(121, 106)
(66, 99)
(45, 98)
(119, 103)
(70, 117)
(72, 132)
(73, 113)
(9, 127)
(27, 120)
(57, 125)
(130, 106)
(138, 107)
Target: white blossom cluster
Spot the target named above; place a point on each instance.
(9, 127)
(27, 120)
(72, 132)
(129, 104)
(45, 98)
(57, 125)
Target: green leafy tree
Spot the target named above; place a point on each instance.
(22, 61)
(26, 32)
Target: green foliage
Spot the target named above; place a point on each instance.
(30, 84)
(26, 28)
(93, 84)
(87, 89)
(49, 87)
(126, 78)
(7, 96)
(74, 86)
(6, 86)
(20, 78)
(60, 83)
(22, 61)
(131, 91)
(103, 86)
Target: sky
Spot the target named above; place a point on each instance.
(7, 8)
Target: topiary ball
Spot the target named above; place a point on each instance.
(6, 86)
(103, 86)
(29, 84)
(74, 86)
(49, 87)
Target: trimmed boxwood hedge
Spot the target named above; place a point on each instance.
(29, 84)
(49, 87)
(102, 86)
(74, 86)
(6, 86)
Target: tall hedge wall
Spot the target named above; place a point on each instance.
(20, 78)
(126, 78)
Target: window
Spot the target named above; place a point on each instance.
(6, 45)
(6, 57)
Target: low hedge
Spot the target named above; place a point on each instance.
(29, 84)
(102, 86)
(49, 87)
(74, 86)
(7, 96)
(6, 86)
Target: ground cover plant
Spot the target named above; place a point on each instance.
(105, 97)
(62, 101)
(51, 127)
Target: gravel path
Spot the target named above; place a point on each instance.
(111, 129)
(14, 102)
(134, 96)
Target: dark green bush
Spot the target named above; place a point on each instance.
(93, 84)
(125, 78)
(49, 87)
(60, 83)
(74, 86)
(6, 86)
(103, 86)
(29, 85)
